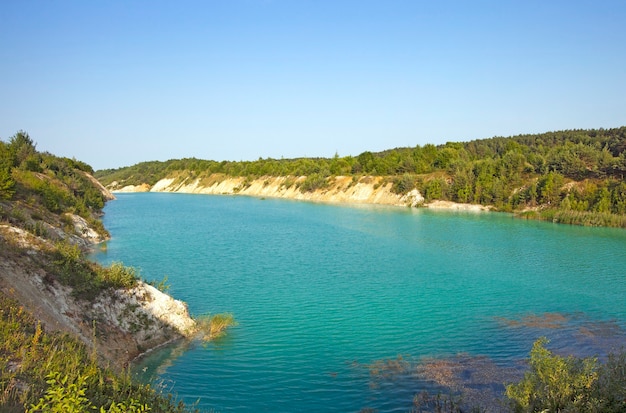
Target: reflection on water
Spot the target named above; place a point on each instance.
(155, 363)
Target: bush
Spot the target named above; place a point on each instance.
(404, 184)
(569, 384)
(118, 276)
(88, 279)
(53, 372)
(312, 183)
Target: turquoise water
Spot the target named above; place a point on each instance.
(325, 295)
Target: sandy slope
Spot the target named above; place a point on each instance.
(340, 189)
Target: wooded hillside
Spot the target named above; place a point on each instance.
(573, 176)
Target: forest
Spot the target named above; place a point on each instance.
(571, 176)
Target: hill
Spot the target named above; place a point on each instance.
(68, 327)
(572, 176)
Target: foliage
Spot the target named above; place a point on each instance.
(52, 372)
(569, 384)
(89, 279)
(63, 395)
(7, 183)
(404, 184)
(579, 170)
(60, 184)
(162, 285)
(117, 275)
(313, 182)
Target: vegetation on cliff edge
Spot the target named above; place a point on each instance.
(53, 372)
(572, 176)
(41, 196)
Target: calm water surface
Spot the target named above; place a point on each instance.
(340, 308)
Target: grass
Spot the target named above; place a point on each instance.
(214, 326)
(47, 372)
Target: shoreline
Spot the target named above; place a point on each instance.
(343, 190)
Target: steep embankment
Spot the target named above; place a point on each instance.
(340, 189)
(122, 323)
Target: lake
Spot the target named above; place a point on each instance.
(349, 308)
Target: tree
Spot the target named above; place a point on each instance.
(21, 146)
(549, 188)
(7, 183)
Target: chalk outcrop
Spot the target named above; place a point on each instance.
(121, 323)
(339, 189)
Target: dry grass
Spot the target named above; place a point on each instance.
(214, 326)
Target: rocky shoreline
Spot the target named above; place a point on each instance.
(121, 323)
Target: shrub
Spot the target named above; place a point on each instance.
(118, 275)
(312, 183)
(53, 372)
(554, 383)
(404, 184)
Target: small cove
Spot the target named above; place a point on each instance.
(342, 308)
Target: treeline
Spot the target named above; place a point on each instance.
(577, 173)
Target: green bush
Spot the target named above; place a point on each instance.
(313, 182)
(404, 184)
(569, 384)
(118, 275)
(53, 372)
(89, 279)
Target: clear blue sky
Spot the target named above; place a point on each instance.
(114, 83)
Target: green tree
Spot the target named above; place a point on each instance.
(549, 188)
(21, 146)
(7, 183)
(603, 200)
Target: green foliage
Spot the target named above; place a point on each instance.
(21, 148)
(7, 183)
(404, 184)
(59, 183)
(515, 173)
(162, 285)
(118, 276)
(569, 384)
(51, 372)
(63, 395)
(89, 279)
(313, 182)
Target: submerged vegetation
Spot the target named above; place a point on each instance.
(574, 176)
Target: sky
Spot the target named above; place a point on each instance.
(113, 83)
